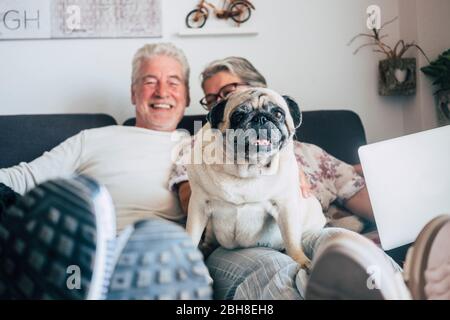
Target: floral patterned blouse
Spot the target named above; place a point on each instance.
(330, 179)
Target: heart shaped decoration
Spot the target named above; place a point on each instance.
(400, 75)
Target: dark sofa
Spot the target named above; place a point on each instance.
(25, 137)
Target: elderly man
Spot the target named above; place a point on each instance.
(66, 223)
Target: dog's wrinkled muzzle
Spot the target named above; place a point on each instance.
(257, 137)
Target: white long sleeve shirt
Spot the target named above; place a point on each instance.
(134, 164)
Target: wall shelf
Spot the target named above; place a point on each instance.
(216, 32)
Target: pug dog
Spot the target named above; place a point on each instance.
(249, 195)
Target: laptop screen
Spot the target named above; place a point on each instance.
(408, 180)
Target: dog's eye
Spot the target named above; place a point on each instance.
(278, 114)
(237, 117)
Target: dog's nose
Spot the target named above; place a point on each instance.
(260, 118)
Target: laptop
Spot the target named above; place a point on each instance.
(408, 180)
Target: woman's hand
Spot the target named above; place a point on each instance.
(358, 169)
(305, 187)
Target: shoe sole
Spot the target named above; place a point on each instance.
(157, 260)
(428, 274)
(350, 267)
(56, 242)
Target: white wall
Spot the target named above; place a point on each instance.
(301, 49)
(428, 24)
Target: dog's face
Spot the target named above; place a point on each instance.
(261, 122)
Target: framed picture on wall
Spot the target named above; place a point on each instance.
(65, 19)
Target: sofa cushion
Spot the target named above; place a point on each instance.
(26, 137)
(339, 132)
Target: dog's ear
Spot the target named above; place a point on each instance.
(294, 110)
(215, 115)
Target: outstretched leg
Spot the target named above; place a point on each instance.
(58, 242)
(427, 267)
(348, 266)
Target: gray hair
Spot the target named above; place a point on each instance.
(237, 66)
(149, 51)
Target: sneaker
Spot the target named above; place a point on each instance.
(427, 266)
(156, 259)
(351, 267)
(57, 242)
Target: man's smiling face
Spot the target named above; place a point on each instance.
(159, 94)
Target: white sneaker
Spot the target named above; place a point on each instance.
(351, 267)
(57, 242)
(156, 259)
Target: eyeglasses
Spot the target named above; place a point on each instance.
(210, 99)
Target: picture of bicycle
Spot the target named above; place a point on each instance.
(238, 10)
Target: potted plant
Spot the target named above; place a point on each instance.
(397, 75)
(440, 71)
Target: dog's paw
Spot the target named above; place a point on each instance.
(304, 262)
(306, 266)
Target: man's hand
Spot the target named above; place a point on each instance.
(184, 194)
